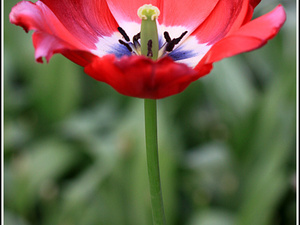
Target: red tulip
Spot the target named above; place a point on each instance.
(103, 37)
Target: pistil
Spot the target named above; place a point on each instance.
(148, 15)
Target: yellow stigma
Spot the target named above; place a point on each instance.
(148, 11)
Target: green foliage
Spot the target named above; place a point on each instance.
(75, 151)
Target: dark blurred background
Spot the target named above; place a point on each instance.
(74, 148)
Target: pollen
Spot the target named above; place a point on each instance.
(148, 11)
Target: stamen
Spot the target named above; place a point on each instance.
(135, 40)
(136, 37)
(126, 45)
(170, 46)
(171, 43)
(167, 36)
(177, 40)
(120, 29)
(150, 53)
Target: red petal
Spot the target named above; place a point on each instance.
(50, 35)
(138, 76)
(81, 58)
(86, 19)
(46, 45)
(226, 16)
(189, 14)
(62, 29)
(254, 3)
(249, 37)
(38, 17)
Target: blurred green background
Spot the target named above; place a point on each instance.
(74, 148)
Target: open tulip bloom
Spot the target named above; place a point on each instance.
(148, 49)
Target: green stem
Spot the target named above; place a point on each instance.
(152, 162)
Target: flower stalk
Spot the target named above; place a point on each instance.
(153, 162)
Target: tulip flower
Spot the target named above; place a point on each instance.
(103, 36)
(146, 49)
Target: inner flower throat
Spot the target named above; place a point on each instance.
(146, 42)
